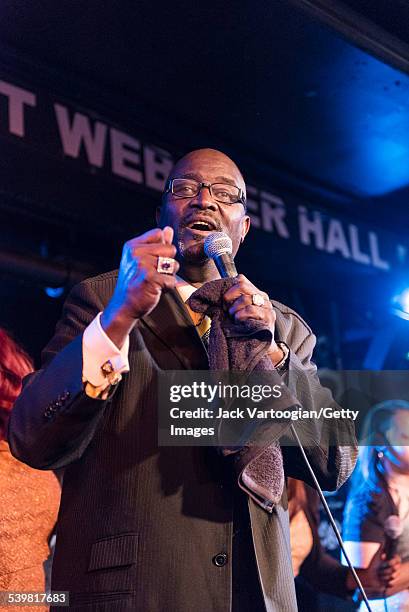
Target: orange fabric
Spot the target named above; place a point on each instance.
(29, 501)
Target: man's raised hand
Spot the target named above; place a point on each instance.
(139, 284)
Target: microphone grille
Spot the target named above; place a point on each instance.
(216, 244)
(393, 526)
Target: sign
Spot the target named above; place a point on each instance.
(71, 134)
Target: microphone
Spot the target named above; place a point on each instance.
(218, 247)
(393, 529)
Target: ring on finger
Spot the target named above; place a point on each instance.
(257, 299)
(166, 265)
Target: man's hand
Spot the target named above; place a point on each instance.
(139, 284)
(239, 303)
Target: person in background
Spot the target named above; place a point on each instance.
(314, 569)
(29, 499)
(379, 491)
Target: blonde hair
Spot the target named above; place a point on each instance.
(372, 435)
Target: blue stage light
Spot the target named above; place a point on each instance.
(54, 292)
(400, 304)
(405, 300)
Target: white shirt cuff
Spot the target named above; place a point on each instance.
(97, 349)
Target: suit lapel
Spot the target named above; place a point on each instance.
(172, 325)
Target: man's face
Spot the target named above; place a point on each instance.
(206, 166)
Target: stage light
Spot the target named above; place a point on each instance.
(400, 303)
(54, 292)
(405, 300)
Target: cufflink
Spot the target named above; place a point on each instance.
(109, 373)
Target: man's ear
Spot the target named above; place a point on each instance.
(245, 227)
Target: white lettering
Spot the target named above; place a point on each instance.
(310, 227)
(80, 132)
(374, 250)
(336, 240)
(357, 254)
(17, 98)
(273, 212)
(212, 392)
(125, 155)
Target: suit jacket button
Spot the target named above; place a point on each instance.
(220, 559)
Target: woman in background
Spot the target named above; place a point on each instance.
(377, 511)
(314, 569)
(29, 499)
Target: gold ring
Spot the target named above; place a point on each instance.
(257, 299)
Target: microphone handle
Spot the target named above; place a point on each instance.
(391, 547)
(225, 265)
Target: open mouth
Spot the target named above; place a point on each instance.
(201, 226)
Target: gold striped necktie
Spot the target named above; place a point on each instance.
(202, 324)
(203, 328)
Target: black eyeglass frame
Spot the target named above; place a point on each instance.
(169, 189)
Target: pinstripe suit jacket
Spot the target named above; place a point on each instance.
(139, 526)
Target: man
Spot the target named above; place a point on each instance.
(151, 528)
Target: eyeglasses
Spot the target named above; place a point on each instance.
(221, 192)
